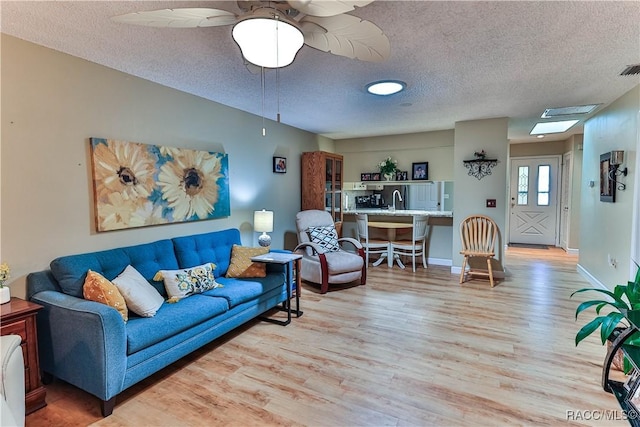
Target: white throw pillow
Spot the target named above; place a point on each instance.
(141, 297)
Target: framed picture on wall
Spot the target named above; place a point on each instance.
(365, 176)
(280, 165)
(402, 176)
(607, 184)
(420, 171)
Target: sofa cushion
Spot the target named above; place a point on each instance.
(238, 291)
(142, 298)
(241, 264)
(188, 281)
(212, 247)
(97, 288)
(70, 271)
(171, 319)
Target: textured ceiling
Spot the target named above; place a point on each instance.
(461, 60)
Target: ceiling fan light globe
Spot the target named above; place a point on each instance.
(268, 42)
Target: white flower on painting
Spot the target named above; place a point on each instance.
(125, 168)
(189, 183)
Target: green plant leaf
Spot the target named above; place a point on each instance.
(589, 328)
(609, 323)
(617, 298)
(600, 303)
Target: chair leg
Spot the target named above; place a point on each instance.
(464, 265)
(413, 260)
(490, 272)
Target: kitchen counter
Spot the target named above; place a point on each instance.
(399, 212)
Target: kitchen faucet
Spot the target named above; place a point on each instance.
(393, 196)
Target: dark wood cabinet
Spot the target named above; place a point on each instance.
(322, 183)
(18, 317)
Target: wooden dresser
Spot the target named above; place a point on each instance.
(18, 317)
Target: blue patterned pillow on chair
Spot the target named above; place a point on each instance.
(325, 236)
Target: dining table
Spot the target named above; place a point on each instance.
(392, 230)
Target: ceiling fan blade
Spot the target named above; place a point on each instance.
(326, 7)
(346, 35)
(179, 18)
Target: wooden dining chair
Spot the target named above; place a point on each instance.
(371, 246)
(478, 235)
(414, 247)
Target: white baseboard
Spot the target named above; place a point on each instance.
(595, 282)
(572, 251)
(439, 261)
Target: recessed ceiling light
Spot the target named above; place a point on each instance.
(386, 87)
(552, 127)
(569, 111)
(540, 136)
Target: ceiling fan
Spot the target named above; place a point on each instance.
(321, 24)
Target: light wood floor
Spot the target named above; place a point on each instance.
(405, 350)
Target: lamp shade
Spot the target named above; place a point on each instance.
(267, 40)
(263, 221)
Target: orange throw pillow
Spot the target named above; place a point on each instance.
(241, 265)
(97, 288)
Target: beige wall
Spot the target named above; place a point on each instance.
(471, 193)
(364, 154)
(52, 103)
(605, 228)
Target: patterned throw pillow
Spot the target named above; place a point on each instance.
(241, 264)
(183, 283)
(97, 288)
(325, 236)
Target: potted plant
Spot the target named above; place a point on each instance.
(625, 302)
(388, 168)
(5, 273)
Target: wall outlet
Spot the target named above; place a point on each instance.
(612, 261)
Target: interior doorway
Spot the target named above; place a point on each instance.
(534, 201)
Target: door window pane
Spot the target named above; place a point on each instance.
(523, 185)
(544, 176)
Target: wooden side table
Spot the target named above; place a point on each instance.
(18, 317)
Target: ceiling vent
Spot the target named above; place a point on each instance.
(631, 70)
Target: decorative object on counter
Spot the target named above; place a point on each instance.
(420, 171)
(279, 165)
(5, 274)
(263, 222)
(402, 176)
(480, 166)
(480, 155)
(388, 168)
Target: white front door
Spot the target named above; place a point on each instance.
(534, 200)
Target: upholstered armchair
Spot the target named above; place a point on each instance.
(325, 260)
(12, 392)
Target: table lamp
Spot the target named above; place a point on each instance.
(263, 222)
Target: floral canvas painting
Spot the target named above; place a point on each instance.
(137, 185)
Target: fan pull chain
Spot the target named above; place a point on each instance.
(277, 73)
(264, 130)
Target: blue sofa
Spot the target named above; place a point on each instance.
(89, 345)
